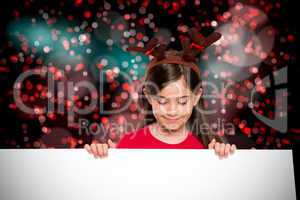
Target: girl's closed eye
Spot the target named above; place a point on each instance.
(161, 100)
(183, 100)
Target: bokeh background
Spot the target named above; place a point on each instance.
(82, 38)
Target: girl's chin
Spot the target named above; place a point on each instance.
(172, 126)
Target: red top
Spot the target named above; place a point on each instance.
(143, 139)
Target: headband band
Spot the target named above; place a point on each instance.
(174, 57)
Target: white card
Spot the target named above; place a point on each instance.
(137, 174)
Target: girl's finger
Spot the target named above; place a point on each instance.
(105, 149)
(212, 144)
(222, 150)
(88, 148)
(227, 150)
(94, 150)
(232, 149)
(111, 144)
(217, 148)
(100, 150)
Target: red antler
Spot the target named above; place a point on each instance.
(199, 43)
(153, 48)
(192, 46)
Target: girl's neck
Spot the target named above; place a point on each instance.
(168, 136)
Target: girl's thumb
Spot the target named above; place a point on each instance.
(211, 145)
(111, 144)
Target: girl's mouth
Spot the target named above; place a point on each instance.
(172, 119)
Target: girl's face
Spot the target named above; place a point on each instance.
(173, 105)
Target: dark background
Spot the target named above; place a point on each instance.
(18, 130)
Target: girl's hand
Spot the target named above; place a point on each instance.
(99, 150)
(221, 149)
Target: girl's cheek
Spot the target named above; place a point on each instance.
(160, 109)
(157, 109)
(179, 109)
(186, 109)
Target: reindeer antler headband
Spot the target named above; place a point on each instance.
(192, 46)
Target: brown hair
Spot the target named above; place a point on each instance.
(163, 74)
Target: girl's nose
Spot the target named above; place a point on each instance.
(172, 109)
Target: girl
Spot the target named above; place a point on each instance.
(172, 93)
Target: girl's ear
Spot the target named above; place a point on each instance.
(147, 96)
(197, 96)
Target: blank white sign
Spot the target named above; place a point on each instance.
(137, 174)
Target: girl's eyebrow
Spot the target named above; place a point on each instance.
(174, 97)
